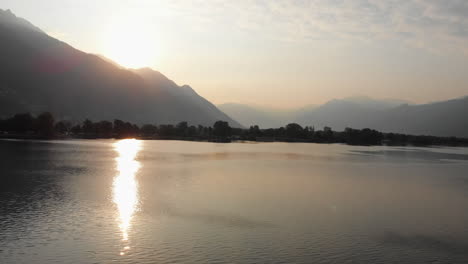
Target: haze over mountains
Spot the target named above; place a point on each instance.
(249, 115)
(39, 73)
(447, 118)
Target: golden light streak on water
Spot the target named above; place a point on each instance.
(125, 186)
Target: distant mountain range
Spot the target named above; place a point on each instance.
(272, 118)
(447, 118)
(39, 73)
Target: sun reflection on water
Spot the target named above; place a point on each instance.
(125, 186)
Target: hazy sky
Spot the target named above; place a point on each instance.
(275, 53)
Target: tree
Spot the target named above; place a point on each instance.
(45, 125)
(21, 123)
(182, 128)
(149, 130)
(167, 130)
(104, 129)
(254, 131)
(119, 128)
(76, 129)
(63, 127)
(192, 131)
(294, 130)
(328, 134)
(88, 127)
(221, 129)
(201, 130)
(134, 130)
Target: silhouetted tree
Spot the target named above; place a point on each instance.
(21, 123)
(76, 129)
(365, 136)
(200, 130)
(294, 130)
(191, 131)
(327, 134)
(119, 128)
(104, 129)
(88, 128)
(181, 129)
(254, 131)
(221, 129)
(45, 125)
(63, 127)
(134, 130)
(148, 130)
(167, 130)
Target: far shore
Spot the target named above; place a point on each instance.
(44, 126)
(464, 142)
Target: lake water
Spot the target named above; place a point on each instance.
(131, 201)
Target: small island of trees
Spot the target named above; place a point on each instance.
(44, 126)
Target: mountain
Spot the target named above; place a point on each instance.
(196, 109)
(40, 73)
(447, 118)
(371, 103)
(347, 112)
(268, 118)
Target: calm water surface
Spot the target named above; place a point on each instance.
(188, 202)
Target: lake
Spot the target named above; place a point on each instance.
(129, 201)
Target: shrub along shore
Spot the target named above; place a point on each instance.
(44, 126)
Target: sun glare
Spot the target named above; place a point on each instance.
(125, 187)
(130, 43)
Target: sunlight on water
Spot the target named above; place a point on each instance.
(125, 187)
(157, 201)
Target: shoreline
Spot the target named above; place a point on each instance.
(214, 140)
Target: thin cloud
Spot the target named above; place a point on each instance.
(431, 24)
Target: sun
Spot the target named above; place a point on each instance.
(130, 43)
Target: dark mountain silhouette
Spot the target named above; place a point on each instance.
(447, 118)
(40, 73)
(196, 109)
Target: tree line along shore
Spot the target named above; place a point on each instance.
(44, 126)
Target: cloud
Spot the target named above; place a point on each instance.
(431, 24)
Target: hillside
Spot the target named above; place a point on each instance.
(40, 73)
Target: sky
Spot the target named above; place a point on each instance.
(281, 54)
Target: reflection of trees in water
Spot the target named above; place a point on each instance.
(26, 166)
(35, 173)
(30, 186)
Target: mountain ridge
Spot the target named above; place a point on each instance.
(41, 73)
(440, 118)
